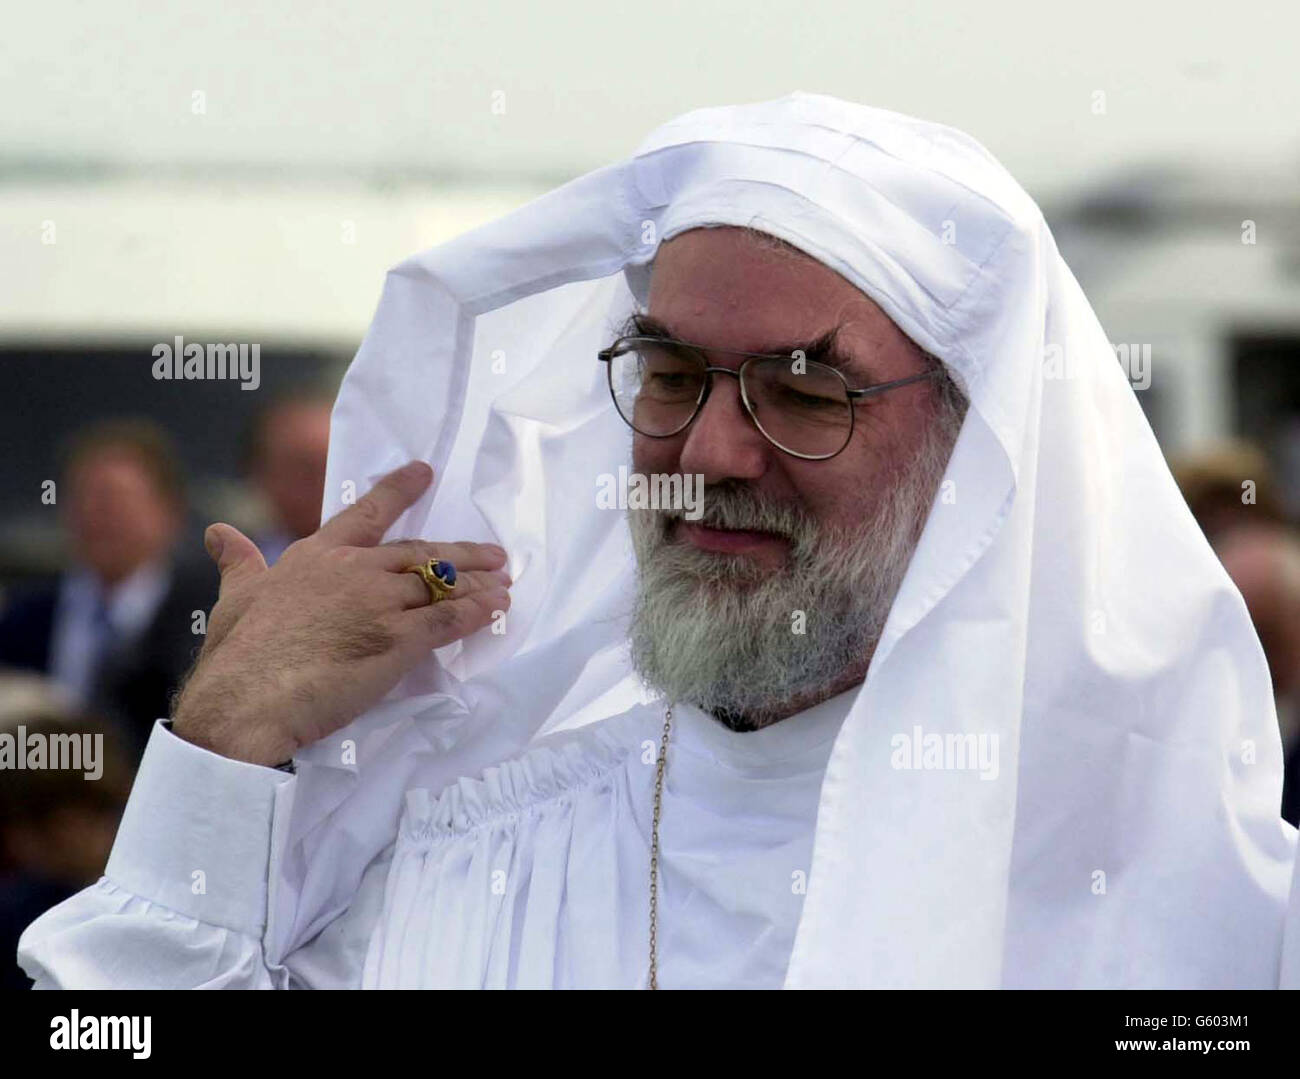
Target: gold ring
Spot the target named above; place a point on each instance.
(439, 577)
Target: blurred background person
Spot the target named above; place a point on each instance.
(1232, 491)
(119, 627)
(1264, 562)
(56, 826)
(285, 454)
(1229, 485)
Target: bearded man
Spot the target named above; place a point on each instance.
(942, 688)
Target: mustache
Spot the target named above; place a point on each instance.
(736, 505)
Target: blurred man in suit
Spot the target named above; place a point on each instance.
(285, 461)
(120, 626)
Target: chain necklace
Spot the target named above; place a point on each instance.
(654, 849)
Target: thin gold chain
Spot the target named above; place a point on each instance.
(654, 850)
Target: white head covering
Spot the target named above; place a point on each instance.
(1061, 598)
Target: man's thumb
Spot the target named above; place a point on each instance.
(234, 553)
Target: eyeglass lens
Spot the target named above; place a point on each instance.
(801, 406)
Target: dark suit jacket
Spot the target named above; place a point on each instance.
(23, 899)
(1291, 786)
(134, 684)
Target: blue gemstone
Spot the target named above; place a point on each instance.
(445, 572)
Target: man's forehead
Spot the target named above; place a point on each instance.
(822, 348)
(733, 288)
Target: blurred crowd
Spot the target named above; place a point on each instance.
(103, 648)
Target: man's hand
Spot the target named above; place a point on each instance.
(295, 652)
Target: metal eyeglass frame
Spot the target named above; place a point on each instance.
(606, 356)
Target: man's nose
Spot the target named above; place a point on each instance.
(722, 442)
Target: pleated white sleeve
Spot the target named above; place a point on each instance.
(183, 900)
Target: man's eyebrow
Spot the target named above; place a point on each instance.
(823, 349)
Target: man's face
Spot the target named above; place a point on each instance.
(775, 598)
(717, 288)
(291, 470)
(117, 517)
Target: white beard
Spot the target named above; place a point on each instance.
(715, 631)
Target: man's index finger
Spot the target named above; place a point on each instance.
(364, 524)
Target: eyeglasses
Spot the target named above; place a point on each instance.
(803, 407)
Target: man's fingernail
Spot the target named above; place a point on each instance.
(212, 541)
